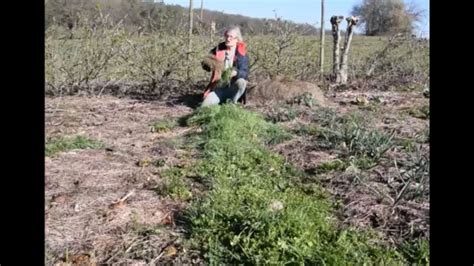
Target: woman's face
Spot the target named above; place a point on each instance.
(230, 39)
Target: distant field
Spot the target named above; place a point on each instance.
(112, 56)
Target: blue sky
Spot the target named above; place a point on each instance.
(301, 11)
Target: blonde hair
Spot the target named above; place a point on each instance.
(235, 29)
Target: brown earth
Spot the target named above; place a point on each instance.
(101, 206)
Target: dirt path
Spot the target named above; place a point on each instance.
(82, 186)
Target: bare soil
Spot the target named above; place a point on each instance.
(102, 206)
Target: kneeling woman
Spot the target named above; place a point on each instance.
(233, 53)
